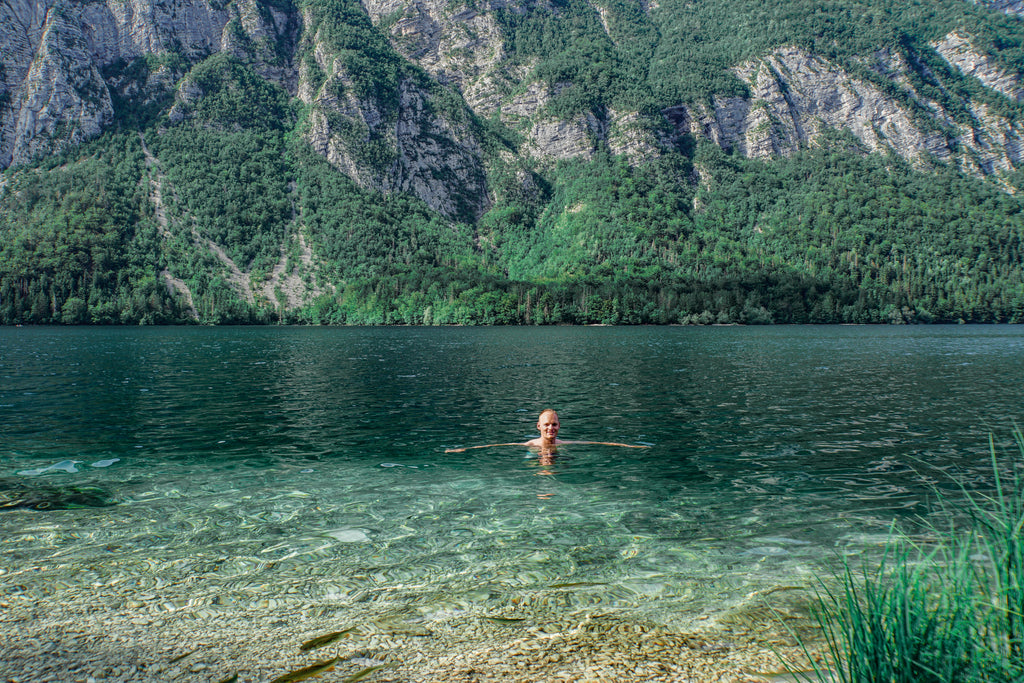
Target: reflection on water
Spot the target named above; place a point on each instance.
(255, 466)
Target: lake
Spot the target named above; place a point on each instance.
(218, 469)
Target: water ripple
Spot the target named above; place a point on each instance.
(263, 467)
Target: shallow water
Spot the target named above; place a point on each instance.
(255, 466)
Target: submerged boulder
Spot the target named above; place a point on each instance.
(19, 495)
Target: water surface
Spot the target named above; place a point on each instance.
(253, 466)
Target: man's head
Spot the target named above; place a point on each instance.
(547, 425)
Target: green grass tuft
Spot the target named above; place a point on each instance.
(945, 612)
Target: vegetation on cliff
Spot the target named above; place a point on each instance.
(195, 207)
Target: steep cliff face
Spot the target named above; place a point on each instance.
(458, 43)
(549, 138)
(60, 83)
(795, 97)
(53, 92)
(52, 88)
(415, 149)
(956, 49)
(416, 139)
(1005, 6)
(462, 46)
(56, 94)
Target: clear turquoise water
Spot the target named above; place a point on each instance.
(253, 466)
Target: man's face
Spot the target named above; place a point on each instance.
(548, 425)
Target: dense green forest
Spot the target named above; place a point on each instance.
(117, 230)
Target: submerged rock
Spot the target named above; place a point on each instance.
(18, 495)
(349, 535)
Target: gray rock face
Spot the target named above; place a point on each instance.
(437, 161)
(56, 89)
(1005, 6)
(549, 138)
(63, 98)
(419, 148)
(994, 141)
(52, 92)
(795, 97)
(462, 46)
(958, 51)
(458, 43)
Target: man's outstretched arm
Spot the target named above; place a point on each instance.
(604, 443)
(487, 445)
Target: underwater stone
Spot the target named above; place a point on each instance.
(17, 495)
(349, 535)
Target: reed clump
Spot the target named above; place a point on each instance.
(945, 611)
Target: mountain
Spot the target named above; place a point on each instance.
(511, 161)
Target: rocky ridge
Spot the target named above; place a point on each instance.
(1006, 6)
(51, 78)
(957, 49)
(795, 97)
(456, 43)
(59, 84)
(424, 152)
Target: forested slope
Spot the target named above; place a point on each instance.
(515, 162)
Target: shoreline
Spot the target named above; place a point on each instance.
(105, 634)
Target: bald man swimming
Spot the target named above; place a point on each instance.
(548, 441)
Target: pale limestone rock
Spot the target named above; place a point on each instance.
(630, 135)
(128, 28)
(458, 43)
(63, 99)
(602, 13)
(431, 157)
(188, 94)
(1005, 6)
(805, 94)
(956, 49)
(437, 161)
(264, 29)
(54, 51)
(996, 143)
(556, 139)
(553, 139)
(292, 282)
(526, 105)
(794, 98)
(893, 65)
(21, 30)
(53, 92)
(307, 91)
(430, 154)
(483, 95)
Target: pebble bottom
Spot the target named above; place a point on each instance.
(77, 636)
